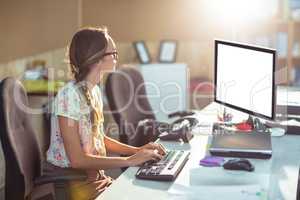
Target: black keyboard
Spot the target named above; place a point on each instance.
(166, 169)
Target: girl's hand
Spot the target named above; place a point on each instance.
(155, 146)
(142, 156)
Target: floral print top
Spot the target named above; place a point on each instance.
(71, 103)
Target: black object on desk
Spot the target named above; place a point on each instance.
(178, 130)
(241, 144)
(239, 164)
(166, 169)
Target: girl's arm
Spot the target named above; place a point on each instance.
(115, 146)
(81, 160)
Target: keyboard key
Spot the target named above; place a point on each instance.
(153, 170)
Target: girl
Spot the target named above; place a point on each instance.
(77, 135)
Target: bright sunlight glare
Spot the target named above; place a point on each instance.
(242, 10)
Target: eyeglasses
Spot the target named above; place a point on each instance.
(113, 53)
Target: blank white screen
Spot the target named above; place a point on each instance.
(244, 78)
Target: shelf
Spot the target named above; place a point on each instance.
(296, 23)
(282, 27)
(266, 28)
(271, 30)
(42, 87)
(281, 62)
(296, 61)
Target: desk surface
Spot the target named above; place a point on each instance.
(277, 177)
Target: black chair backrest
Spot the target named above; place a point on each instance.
(47, 112)
(19, 142)
(127, 99)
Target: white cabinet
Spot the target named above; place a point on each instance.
(166, 87)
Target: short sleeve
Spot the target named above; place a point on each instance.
(67, 103)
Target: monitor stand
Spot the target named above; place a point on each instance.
(257, 124)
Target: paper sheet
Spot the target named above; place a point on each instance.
(238, 192)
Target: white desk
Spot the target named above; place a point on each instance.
(277, 176)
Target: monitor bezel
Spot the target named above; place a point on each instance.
(251, 47)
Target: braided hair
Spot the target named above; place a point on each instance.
(86, 48)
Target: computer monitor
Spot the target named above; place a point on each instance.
(245, 78)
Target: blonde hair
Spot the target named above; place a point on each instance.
(87, 47)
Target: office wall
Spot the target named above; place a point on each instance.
(155, 20)
(32, 26)
(35, 27)
(149, 20)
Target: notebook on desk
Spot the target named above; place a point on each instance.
(241, 144)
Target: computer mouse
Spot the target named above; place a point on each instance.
(277, 132)
(238, 164)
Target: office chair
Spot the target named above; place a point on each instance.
(47, 112)
(126, 94)
(25, 174)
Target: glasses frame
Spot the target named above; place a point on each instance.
(113, 53)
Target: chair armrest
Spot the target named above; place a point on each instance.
(54, 174)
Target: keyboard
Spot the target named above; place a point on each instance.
(166, 169)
